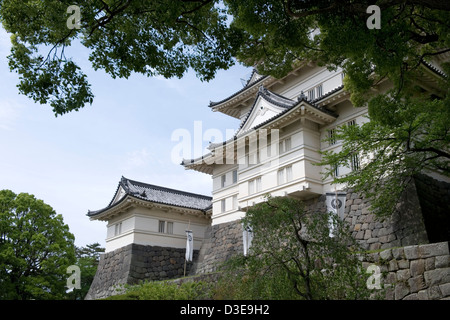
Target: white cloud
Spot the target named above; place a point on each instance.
(138, 158)
(9, 112)
(180, 86)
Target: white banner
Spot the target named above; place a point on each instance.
(335, 204)
(247, 235)
(189, 245)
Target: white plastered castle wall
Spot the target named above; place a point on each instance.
(306, 142)
(141, 225)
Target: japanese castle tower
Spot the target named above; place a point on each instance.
(283, 124)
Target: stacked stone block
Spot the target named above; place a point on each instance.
(112, 273)
(134, 263)
(419, 272)
(220, 243)
(157, 263)
(415, 272)
(405, 227)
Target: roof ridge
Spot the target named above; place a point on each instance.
(169, 196)
(262, 91)
(272, 96)
(170, 190)
(254, 73)
(329, 93)
(117, 190)
(249, 85)
(266, 94)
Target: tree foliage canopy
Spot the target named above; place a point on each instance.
(123, 36)
(410, 137)
(410, 121)
(169, 37)
(385, 70)
(36, 248)
(280, 34)
(292, 256)
(88, 258)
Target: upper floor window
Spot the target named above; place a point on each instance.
(332, 136)
(285, 175)
(280, 176)
(222, 205)
(355, 162)
(165, 227)
(315, 92)
(258, 184)
(254, 185)
(118, 229)
(170, 227)
(161, 226)
(319, 90)
(235, 176)
(336, 171)
(252, 158)
(287, 144)
(289, 174)
(284, 145)
(223, 180)
(311, 94)
(269, 150)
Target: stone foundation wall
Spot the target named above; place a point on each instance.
(419, 272)
(134, 263)
(220, 243)
(405, 227)
(112, 271)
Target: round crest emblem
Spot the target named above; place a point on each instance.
(336, 203)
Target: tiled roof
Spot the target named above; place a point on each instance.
(326, 95)
(271, 97)
(253, 77)
(157, 194)
(287, 104)
(250, 83)
(434, 68)
(300, 99)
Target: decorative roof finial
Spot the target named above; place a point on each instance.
(301, 96)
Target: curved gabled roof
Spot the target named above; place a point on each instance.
(288, 107)
(156, 194)
(273, 98)
(254, 79)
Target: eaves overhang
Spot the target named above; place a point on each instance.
(219, 151)
(129, 201)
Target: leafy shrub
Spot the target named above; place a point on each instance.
(166, 290)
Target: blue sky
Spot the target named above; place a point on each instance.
(75, 161)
